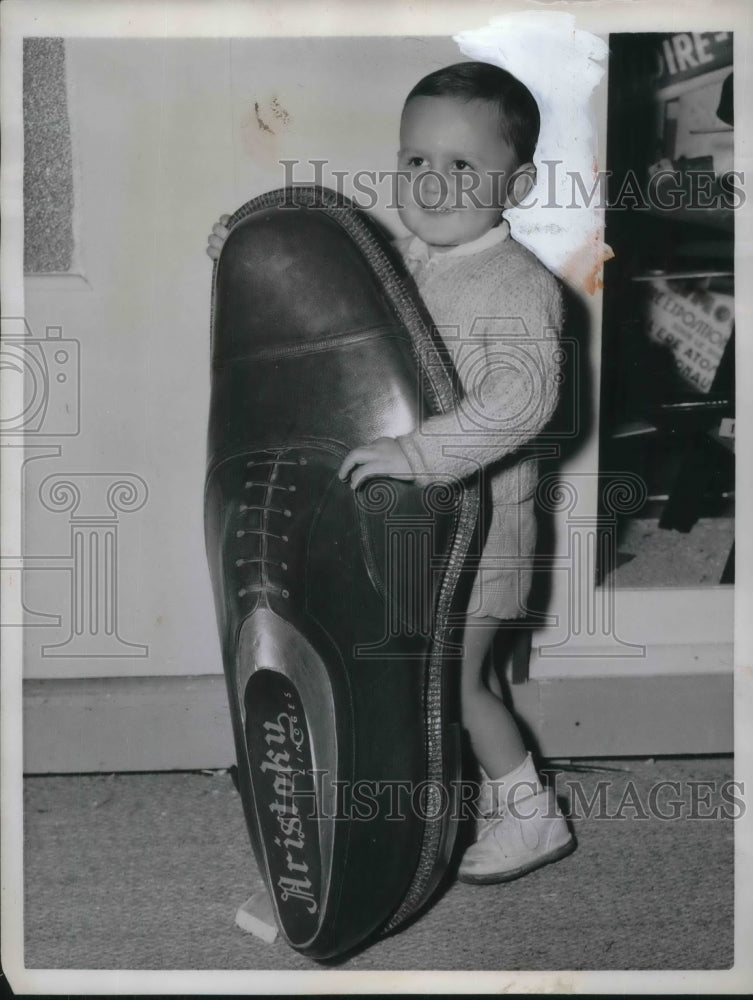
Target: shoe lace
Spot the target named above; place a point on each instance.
(270, 482)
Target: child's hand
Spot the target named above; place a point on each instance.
(383, 457)
(218, 237)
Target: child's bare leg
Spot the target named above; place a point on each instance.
(504, 849)
(493, 681)
(494, 736)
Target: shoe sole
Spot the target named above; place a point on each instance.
(492, 878)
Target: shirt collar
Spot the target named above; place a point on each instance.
(419, 251)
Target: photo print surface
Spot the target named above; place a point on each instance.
(125, 833)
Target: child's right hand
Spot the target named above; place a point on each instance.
(217, 237)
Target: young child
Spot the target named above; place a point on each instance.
(467, 138)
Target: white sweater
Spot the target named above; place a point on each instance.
(499, 312)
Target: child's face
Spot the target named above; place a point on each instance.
(467, 165)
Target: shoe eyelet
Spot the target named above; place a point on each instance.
(291, 489)
(284, 538)
(286, 593)
(242, 507)
(284, 565)
(303, 461)
(240, 534)
(239, 562)
(287, 513)
(241, 593)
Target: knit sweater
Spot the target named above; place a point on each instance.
(498, 310)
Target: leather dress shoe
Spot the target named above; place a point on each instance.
(335, 607)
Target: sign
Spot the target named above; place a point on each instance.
(692, 53)
(694, 325)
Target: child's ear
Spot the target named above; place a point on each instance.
(520, 184)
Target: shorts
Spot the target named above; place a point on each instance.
(505, 572)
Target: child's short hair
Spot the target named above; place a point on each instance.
(519, 119)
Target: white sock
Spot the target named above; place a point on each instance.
(515, 786)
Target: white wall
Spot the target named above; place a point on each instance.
(153, 149)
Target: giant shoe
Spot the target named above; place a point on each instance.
(335, 607)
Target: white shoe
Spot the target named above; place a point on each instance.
(519, 828)
(532, 834)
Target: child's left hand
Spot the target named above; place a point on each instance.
(383, 457)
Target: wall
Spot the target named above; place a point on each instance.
(152, 134)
